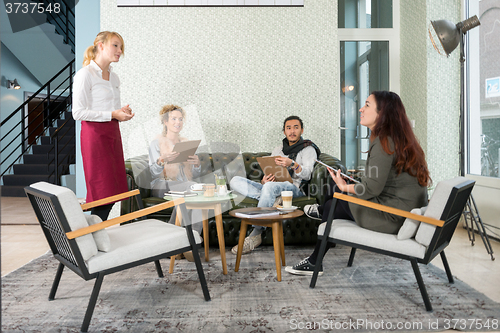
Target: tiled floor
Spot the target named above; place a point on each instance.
(22, 240)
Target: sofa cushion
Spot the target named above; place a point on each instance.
(349, 231)
(101, 237)
(74, 215)
(435, 208)
(140, 240)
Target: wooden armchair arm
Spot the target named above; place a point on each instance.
(388, 209)
(113, 198)
(123, 218)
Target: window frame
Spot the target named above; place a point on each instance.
(391, 35)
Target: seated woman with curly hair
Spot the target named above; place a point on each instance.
(172, 176)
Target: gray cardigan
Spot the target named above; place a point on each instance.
(381, 184)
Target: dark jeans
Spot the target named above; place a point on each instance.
(342, 211)
(102, 211)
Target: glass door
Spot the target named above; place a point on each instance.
(364, 68)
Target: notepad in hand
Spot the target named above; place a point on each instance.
(185, 149)
(268, 166)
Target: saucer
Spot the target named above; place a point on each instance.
(286, 210)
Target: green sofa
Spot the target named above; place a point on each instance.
(302, 230)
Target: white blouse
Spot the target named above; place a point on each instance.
(94, 99)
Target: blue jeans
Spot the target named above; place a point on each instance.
(267, 193)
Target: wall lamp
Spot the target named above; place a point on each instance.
(13, 84)
(445, 37)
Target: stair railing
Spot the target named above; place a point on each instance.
(58, 160)
(63, 19)
(49, 115)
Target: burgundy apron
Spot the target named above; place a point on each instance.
(103, 162)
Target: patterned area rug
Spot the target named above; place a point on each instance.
(376, 294)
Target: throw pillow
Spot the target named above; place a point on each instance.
(410, 226)
(101, 237)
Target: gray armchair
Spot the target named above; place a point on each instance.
(81, 244)
(425, 233)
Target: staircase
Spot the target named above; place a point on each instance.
(41, 49)
(46, 152)
(40, 164)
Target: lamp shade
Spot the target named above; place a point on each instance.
(13, 84)
(448, 35)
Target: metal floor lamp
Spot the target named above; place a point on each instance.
(445, 37)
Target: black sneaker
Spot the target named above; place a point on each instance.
(303, 268)
(312, 211)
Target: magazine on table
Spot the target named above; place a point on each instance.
(181, 194)
(258, 213)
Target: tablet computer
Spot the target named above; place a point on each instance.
(268, 166)
(185, 149)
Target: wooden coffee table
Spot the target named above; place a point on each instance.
(275, 222)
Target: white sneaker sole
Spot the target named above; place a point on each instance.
(234, 250)
(290, 270)
(314, 218)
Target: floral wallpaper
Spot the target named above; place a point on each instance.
(443, 98)
(430, 85)
(240, 71)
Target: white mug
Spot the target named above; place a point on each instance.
(197, 187)
(222, 190)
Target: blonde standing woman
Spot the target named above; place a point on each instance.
(96, 102)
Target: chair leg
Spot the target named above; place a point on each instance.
(322, 248)
(158, 269)
(201, 275)
(319, 262)
(55, 284)
(351, 257)
(446, 267)
(92, 301)
(421, 285)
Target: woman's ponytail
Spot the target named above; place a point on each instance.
(89, 54)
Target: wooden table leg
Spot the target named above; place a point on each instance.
(282, 243)
(204, 214)
(178, 219)
(220, 235)
(243, 232)
(277, 247)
